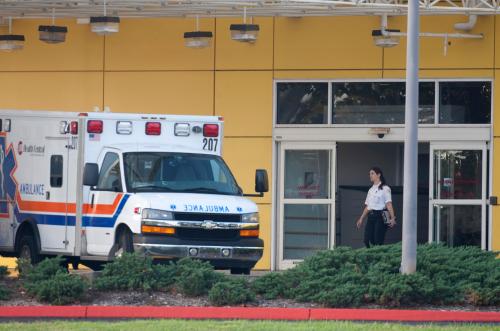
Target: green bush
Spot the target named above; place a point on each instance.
(135, 272)
(4, 271)
(346, 277)
(44, 270)
(270, 286)
(49, 281)
(4, 293)
(231, 292)
(23, 267)
(61, 289)
(195, 277)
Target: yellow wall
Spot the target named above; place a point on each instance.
(146, 68)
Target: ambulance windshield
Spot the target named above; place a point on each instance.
(178, 172)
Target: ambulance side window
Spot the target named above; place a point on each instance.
(110, 174)
(56, 171)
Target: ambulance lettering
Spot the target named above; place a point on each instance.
(206, 208)
(32, 189)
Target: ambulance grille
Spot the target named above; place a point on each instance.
(202, 234)
(207, 217)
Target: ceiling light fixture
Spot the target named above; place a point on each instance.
(52, 34)
(105, 25)
(244, 32)
(11, 42)
(197, 39)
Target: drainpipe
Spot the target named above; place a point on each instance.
(467, 26)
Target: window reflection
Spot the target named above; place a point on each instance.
(458, 225)
(378, 102)
(302, 103)
(465, 102)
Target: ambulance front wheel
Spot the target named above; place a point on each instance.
(28, 249)
(125, 243)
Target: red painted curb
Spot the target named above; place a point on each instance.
(404, 315)
(199, 312)
(248, 313)
(43, 311)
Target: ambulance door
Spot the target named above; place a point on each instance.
(52, 216)
(104, 200)
(6, 216)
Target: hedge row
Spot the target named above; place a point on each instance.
(346, 277)
(342, 277)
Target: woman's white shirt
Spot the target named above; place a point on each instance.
(377, 199)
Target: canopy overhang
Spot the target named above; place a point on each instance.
(223, 8)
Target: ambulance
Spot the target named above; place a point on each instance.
(91, 186)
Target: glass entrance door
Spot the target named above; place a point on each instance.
(306, 201)
(458, 194)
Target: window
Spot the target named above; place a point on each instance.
(378, 102)
(110, 174)
(465, 102)
(178, 172)
(56, 171)
(302, 103)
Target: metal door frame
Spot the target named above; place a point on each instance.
(465, 145)
(284, 146)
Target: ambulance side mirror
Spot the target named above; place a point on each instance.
(90, 174)
(261, 181)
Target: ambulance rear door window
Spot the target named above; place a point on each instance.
(56, 171)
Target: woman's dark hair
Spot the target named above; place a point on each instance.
(378, 171)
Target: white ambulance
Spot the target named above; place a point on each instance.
(90, 186)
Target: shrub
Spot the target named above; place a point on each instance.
(4, 293)
(195, 277)
(45, 270)
(4, 271)
(347, 277)
(60, 289)
(23, 266)
(231, 292)
(49, 281)
(135, 272)
(270, 286)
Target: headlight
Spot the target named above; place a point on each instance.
(250, 218)
(156, 214)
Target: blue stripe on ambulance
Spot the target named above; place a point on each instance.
(60, 220)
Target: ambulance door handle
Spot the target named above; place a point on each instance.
(92, 201)
(47, 195)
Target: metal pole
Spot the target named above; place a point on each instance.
(409, 253)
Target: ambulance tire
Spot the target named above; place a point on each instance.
(27, 249)
(240, 271)
(125, 242)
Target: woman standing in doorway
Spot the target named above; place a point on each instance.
(377, 202)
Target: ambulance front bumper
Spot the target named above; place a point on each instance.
(241, 253)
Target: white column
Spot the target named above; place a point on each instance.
(409, 254)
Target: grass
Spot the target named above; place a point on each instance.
(146, 325)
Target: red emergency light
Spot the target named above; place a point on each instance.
(211, 130)
(153, 128)
(74, 127)
(94, 126)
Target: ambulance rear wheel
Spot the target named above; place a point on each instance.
(28, 250)
(125, 243)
